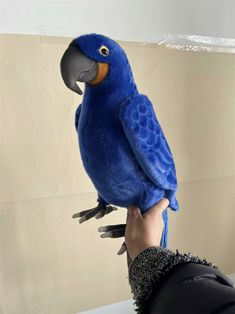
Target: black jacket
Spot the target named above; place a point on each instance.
(166, 282)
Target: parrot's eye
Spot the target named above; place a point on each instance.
(104, 51)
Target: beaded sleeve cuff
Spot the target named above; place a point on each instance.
(149, 268)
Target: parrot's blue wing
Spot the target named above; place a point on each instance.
(77, 115)
(147, 141)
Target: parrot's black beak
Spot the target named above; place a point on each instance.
(75, 66)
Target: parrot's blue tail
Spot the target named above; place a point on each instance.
(164, 239)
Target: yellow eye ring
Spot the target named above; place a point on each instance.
(104, 51)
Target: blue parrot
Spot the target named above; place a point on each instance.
(122, 145)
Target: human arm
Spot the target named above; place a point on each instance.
(163, 281)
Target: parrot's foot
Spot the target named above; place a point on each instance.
(97, 212)
(113, 231)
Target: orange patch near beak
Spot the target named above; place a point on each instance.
(101, 73)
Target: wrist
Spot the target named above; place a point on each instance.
(141, 248)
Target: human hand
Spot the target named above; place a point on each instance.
(144, 231)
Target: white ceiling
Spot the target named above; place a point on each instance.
(145, 20)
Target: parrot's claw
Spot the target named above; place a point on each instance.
(122, 249)
(107, 210)
(113, 231)
(97, 212)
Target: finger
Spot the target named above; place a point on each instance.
(158, 208)
(122, 249)
(164, 203)
(133, 212)
(131, 206)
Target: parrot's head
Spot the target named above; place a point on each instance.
(98, 61)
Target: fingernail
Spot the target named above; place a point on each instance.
(166, 201)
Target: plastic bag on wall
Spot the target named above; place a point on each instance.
(198, 43)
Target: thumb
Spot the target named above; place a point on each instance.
(157, 208)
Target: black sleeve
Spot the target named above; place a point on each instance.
(166, 282)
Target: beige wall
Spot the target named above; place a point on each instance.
(48, 262)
